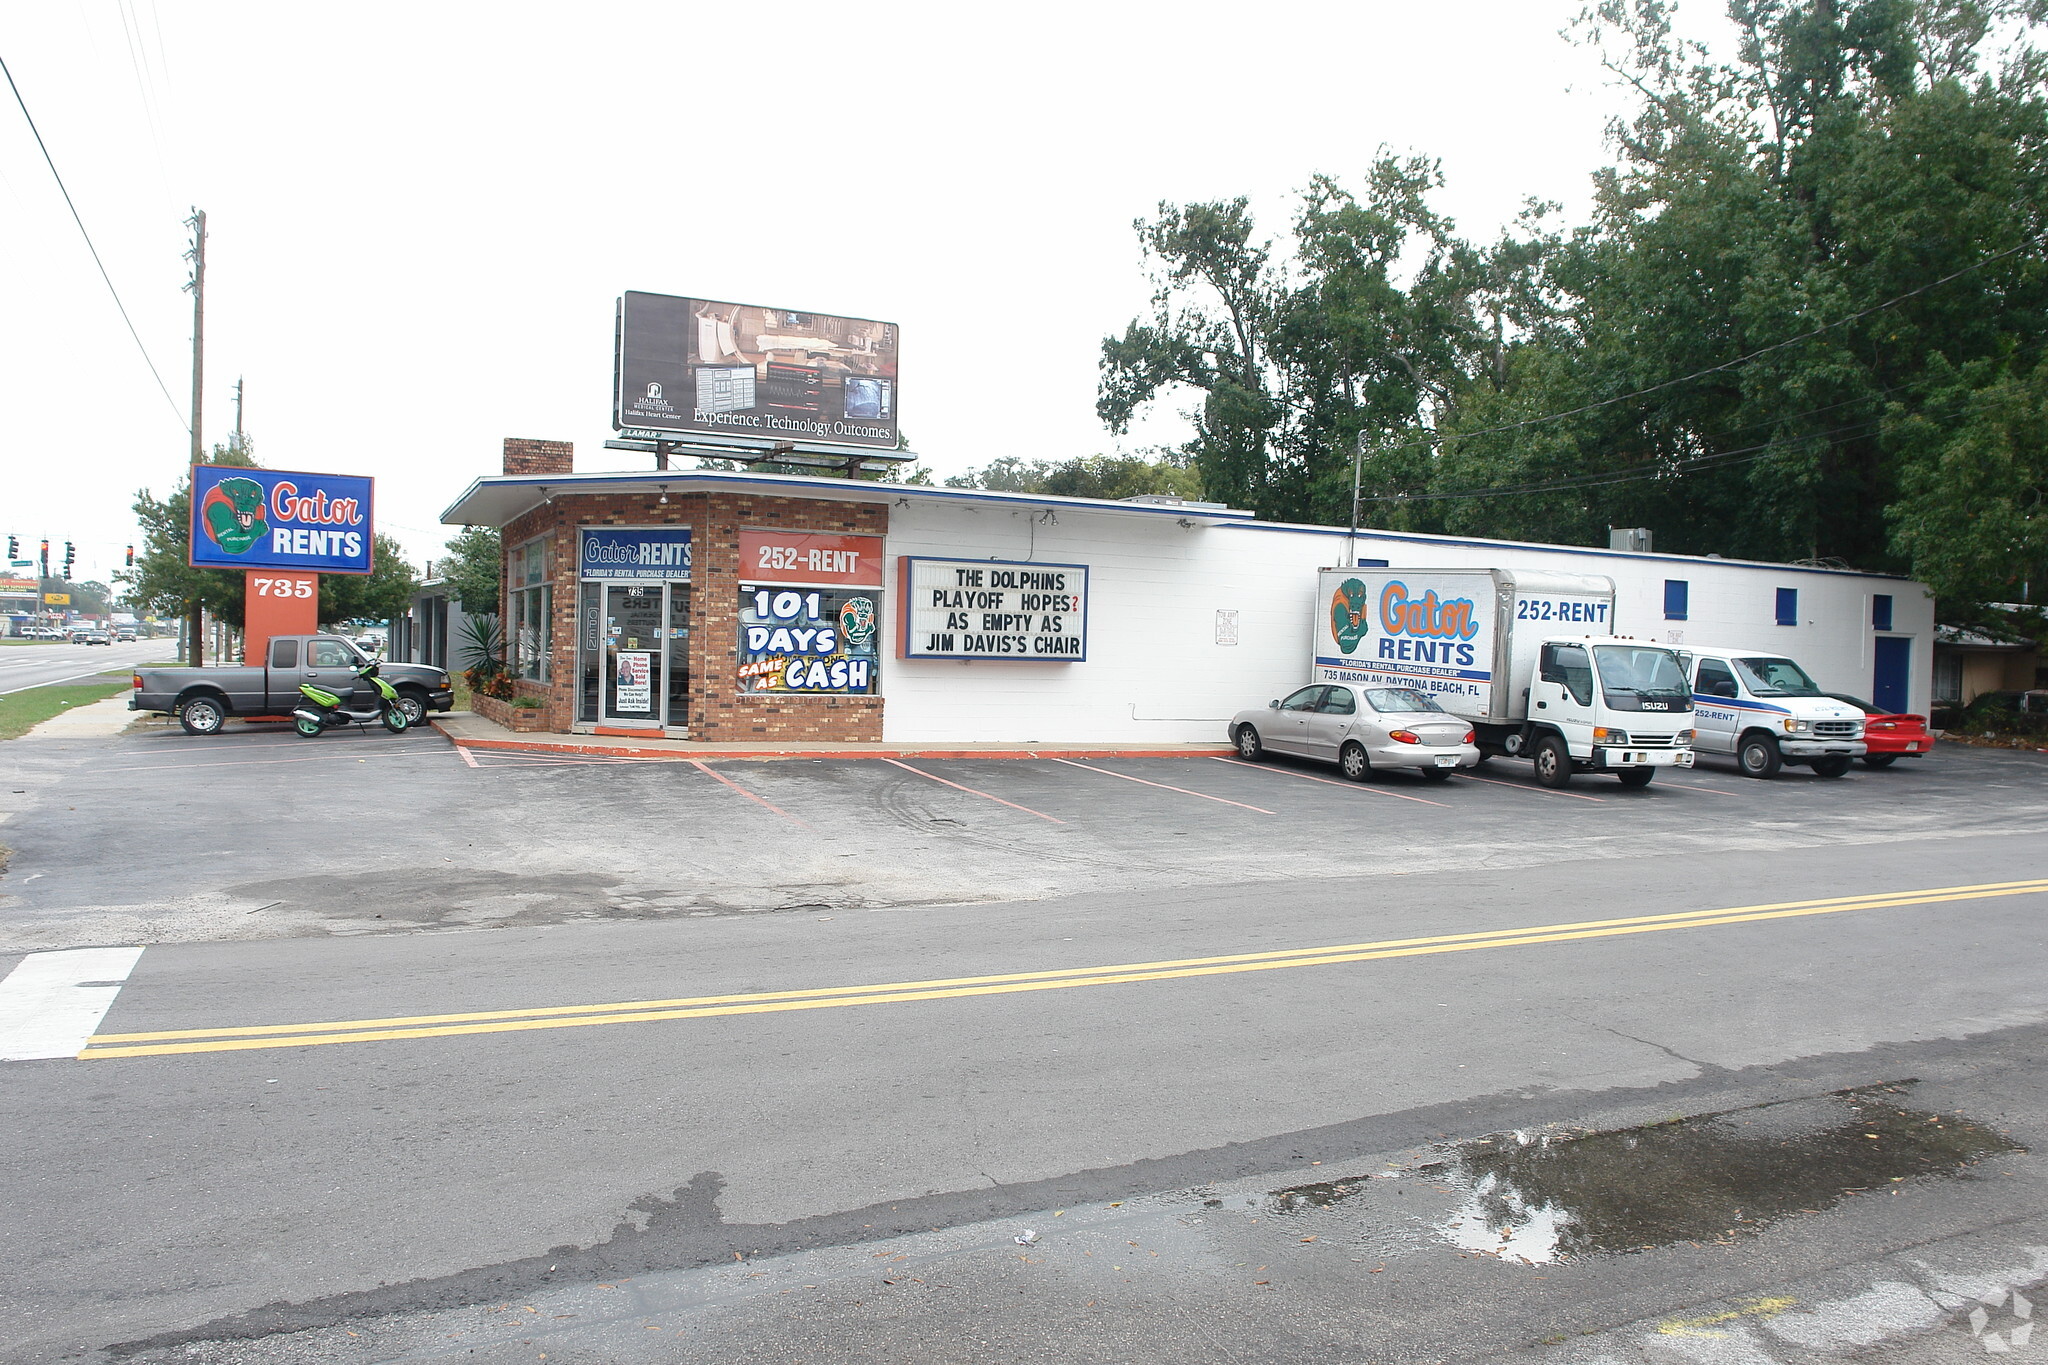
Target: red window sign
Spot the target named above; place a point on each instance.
(803, 557)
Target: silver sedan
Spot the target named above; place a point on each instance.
(1359, 729)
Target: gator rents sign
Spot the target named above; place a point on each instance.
(277, 519)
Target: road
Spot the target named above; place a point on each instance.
(597, 1119)
(38, 665)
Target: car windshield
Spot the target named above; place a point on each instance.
(1399, 699)
(1777, 678)
(1640, 671)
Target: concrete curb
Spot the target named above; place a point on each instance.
(681, 751)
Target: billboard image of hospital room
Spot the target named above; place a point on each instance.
(744, 358)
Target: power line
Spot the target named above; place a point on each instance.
(1720, 459)
(44, 148)
(1724, 365)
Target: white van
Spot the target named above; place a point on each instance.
(1762, 709)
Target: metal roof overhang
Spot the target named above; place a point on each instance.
(501, 498)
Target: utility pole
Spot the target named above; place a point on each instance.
(238, 438)
(1357, 468)
(194, 626)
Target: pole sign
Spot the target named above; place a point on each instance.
(994, 609)
(615, 554)
(738, 369)
(274, 519)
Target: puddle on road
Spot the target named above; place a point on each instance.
(1551, 1197)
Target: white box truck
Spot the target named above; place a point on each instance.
(1529, 658)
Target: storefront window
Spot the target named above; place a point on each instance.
(815, 641)
(531, 610)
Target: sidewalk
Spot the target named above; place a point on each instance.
(108, 717)
(469, 731)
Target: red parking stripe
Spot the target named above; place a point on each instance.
(1161, 785)
(1535, 791)
(744, 792)
(972, 792)
(1307, 777)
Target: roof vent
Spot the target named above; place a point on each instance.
(1174, 500)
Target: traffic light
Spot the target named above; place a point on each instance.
(14, 547)
(46, 559)
(131, 556)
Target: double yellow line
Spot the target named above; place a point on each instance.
(904, 992)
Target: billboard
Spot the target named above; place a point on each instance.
(276, 519)
(994, 609)
(738, 369)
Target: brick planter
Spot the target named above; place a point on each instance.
(520, 720)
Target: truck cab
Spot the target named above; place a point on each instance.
(1604, 704)
(1762, 709)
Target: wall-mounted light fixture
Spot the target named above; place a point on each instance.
(664, 496)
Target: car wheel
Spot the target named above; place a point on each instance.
(1436, 774)
(1759, 756)
(1355, 762)
(1637, 777)
(1553, 762)
(1832, 766)
(202, 716)
(1248, 746)
(1879, 760)
(414, 706)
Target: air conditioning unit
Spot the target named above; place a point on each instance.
(1636, 538)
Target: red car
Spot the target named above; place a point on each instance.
(1888, 738)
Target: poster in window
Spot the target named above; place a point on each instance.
(811, 641)
(635, 680)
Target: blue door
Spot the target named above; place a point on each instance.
(1889, 677)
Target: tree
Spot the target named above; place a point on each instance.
(1088, 476)
(386, 591)
(162, 581)
(1805, 322)
(474, 568)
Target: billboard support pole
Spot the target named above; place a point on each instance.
(197, 284)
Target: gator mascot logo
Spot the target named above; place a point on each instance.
(233, 514)
(857, 621)
(1347, 614)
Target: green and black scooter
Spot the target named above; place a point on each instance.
(326, 711)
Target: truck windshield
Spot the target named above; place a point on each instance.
(1399, 699)
(1640, 671)
(1777, 678)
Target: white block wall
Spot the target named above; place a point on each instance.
(1155, 673)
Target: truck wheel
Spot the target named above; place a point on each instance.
(202, 716)
(1357, 765)
(1879, 760)
(1553, 762)
(1248, 746)
(413, 704)
(1759, 756)
(1636, 777)
(1834, 765)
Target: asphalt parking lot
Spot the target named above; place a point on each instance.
(387, 833)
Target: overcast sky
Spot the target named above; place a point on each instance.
(421, 215)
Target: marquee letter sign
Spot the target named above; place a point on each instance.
(994, 609)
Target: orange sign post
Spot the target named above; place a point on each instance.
(279, 602)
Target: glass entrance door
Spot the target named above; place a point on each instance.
(634, 654)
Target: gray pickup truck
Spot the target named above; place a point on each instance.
(203, 698)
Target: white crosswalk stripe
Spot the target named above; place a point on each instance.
(52, 1002)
